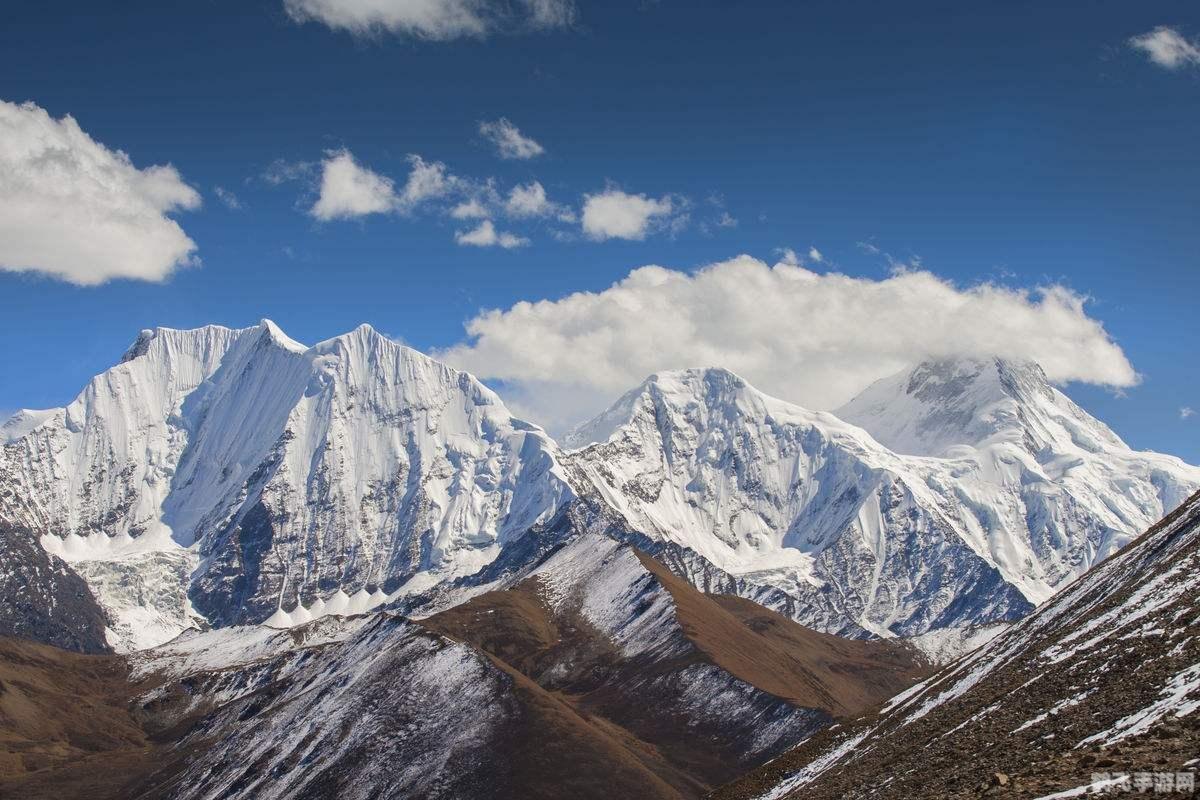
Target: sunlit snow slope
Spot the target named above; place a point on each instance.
(216, 472)
(1015, 491)
(220, 476)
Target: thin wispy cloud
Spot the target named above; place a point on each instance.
(434, 20)
(227, 198)
(1186, 412)
(74, 209)
(281, 171)
(508, 140)
(1168, 48)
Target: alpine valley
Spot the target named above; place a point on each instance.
(237, 566)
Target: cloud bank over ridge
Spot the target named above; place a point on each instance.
(808, 337)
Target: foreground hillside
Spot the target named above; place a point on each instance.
(599, 674)
(1103, 679)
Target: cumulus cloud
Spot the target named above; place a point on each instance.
(78, 211)
(1186, 411)
(427, 180)
(435, 20)
(471, 208)
(530, 201)
(509, 141)
(613, 214)
(1167, 48)
(811, 338)
(485, 235)
(350, 190)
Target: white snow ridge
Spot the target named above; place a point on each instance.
(217, 477)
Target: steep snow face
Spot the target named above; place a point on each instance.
(941, 405)
(1025, 458)
(792, 500)
(852, 533)
(217, 473)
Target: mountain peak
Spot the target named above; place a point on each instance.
(711, 387)
(277, 335)
(943, 404)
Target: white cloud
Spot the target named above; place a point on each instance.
(1167, 47)
(425, 19)
(428, 180)
(437, 20)
(788, 256)
(1186, 411)
(471, 208)
(530, 201)
(350, 190)
(485, 235)
(280, 171)
(227, 197)
(726, 220)
(509, 141)
(76, 210)
(815, 256)
(815, 339)
(613, 214)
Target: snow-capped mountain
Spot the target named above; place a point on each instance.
(218, 473)
(1102, 680)
(219, 476)
(1026, 460)
(851, 533)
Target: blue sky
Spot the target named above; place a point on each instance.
(1020, 145)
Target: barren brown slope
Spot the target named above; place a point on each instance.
(1103, 678)
(65, 725)
(731, 642)
(553, 750)
(844, 677)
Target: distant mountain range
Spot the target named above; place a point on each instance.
(347, 570)
(217, 477)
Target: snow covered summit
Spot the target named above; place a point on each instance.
(221, 476)
(1002, 490)
(216, 472)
